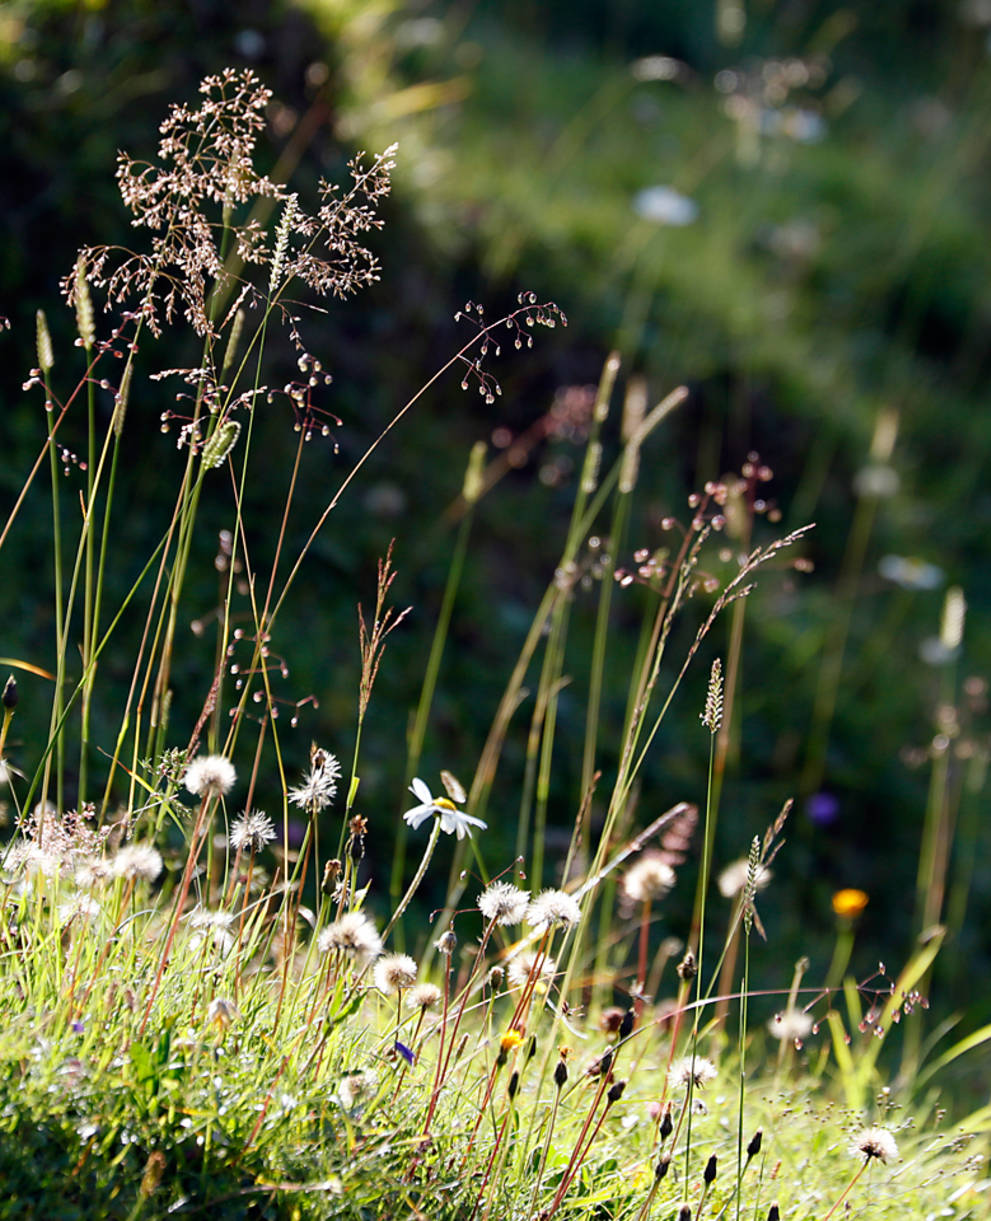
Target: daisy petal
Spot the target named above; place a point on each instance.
(419, 789)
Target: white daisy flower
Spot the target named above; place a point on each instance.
(452, 820)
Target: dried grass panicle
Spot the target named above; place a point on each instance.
(191, 199)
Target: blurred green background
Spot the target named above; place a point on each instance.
(781, 204)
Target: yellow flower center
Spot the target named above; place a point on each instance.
(442, 803)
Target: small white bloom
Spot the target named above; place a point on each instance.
(504, 903)
(210, 776)
(452, 820)
(553, 909)
(665, 206)
(910, 572)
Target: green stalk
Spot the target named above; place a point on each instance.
(471, 492)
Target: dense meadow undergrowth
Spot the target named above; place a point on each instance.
(206, 1014)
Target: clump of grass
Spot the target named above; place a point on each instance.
(184, 1030)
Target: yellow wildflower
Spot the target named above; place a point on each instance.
(849, 903)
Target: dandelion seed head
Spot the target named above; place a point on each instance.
(527, 963)
(733, 878)
(353, 935)
(395, 972)
(93, 871)
(790, 1025)
(138, 862)
(553, 909)
(80, 906)
(649, 878)
(503, 903)
(875, 1142)
(319, 786)
(424, 996)
(695, 1070)
(355, 1089)
(210, 776)
(251, 832)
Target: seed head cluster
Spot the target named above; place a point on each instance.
(202, 185)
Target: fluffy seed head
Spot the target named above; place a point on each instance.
(504, 903)
(395, 972)
(526, 964)
(210, 776)
(695, 1070)
(353, 935)
(355, 1089)
(319, 786)
(875, 1142)
(136, 861)
(651, 877)
(553, 909)
(424, 996)
(251, 832)
(733, 878)
(790, 1025)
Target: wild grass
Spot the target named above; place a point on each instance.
(206, 1015)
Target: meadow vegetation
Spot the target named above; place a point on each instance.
(219, 995)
